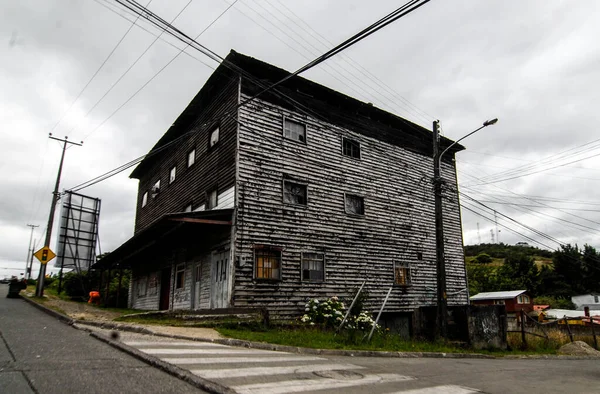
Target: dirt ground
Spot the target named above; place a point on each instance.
(76, 310)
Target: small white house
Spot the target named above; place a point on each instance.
(591, 300)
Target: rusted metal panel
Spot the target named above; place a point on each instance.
(398, 222)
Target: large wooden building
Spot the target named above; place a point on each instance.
(302, 192)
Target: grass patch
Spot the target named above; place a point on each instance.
(319, 339)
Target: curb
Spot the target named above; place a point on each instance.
(51, 312)
(285, 348)
(171, 369)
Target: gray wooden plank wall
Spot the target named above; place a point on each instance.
(398, 221)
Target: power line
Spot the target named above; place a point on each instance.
(97, 71)
(131, 66)
(182, 50)
(170, 29)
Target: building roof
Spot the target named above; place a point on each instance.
(321, 102)
(167, 225)
(498, 295)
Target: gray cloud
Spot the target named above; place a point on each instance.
(534, 65)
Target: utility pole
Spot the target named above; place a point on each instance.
(30, 267)
(39, 291)
(29, 249)
(478, 234)
(497, 232)
(442, 302)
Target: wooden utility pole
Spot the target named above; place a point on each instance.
(39, 291)
(29, 250)
(442, 302)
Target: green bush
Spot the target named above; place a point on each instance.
(483, 258)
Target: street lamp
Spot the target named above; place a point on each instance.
(442, 300)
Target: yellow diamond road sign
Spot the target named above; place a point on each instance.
(44, 255)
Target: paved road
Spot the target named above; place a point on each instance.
(258, 371)
(39, 354)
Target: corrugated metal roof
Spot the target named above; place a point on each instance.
(497, 295)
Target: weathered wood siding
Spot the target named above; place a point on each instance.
(214, 167)
(144, 290)
(398, 224)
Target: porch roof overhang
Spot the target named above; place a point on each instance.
(168, 224)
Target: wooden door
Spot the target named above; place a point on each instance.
(165, 289)
(219, 289)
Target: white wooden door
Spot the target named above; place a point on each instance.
(219, 289)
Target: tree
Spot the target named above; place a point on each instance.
(483, 258)
(519, 272)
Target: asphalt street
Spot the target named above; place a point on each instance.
(257, 371)
(39, 354)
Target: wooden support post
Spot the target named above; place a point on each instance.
(523, 337)
(594, 333)
(568, 328)
(119, 287)
(107, 287)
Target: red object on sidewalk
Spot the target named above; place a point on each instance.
(94, 297)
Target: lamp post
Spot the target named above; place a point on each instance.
(442, 300)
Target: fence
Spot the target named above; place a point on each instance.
(573, 329)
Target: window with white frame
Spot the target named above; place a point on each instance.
(180, 276)
(267, 263)
(596, 299)
(402, 275)
(172, 174)
(294, 130)
(155, 189)
(350, 148)
(294, 193)
(523, 299)
(313, 267)
(191, 157)
(499, 302)
(212, 199)
(214, 137)
(144, 199)
(354, 205)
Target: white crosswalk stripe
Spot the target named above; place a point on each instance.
(206, 351)
(266, 371)
(297, 386)
(445, 389)
(257, 371)
(189, 344)
(237, 360)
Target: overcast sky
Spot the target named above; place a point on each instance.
(535, 65)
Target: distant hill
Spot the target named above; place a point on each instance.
(500, 251)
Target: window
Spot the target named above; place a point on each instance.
(144, 199)
(179, 276)
(402, 275)
(211, 199)
(499, 302)
(191, 157)
(172, 174)
(294, 193)
(350, 148)
(156, 188)
(523, 299)
(294, 130)
(313, 267)
(355, 205)
(188, 208)
(214, 137)
(267, 263)
(141, 286)
(596, 299)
